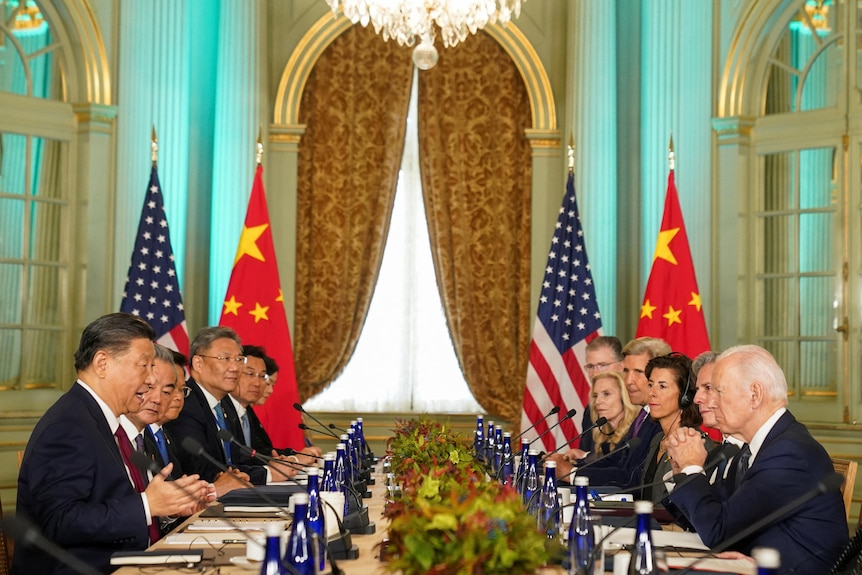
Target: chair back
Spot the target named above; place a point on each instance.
(846, 468)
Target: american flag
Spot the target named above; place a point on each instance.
(568, 318)
(152, 291)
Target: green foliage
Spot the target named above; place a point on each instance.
(452, 519)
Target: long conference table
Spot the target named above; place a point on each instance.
(228, 558)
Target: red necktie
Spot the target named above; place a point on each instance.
(137, 477)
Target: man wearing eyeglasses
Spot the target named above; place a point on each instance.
(216, 364)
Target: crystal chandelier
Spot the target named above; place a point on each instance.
(409, 21)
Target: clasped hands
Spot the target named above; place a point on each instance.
(686, 448)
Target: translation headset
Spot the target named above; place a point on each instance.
(686, 398)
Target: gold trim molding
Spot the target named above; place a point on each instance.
(326, 29)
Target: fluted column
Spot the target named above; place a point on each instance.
(594, 124)
(153, 90)
(677, 84)
(238, 116)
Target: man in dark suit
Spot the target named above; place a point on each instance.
(626, 468)
(242, 420)
(216, 364)
(157, 441)
(780, 462)
(74, 483)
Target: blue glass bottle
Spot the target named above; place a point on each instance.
(768, 560)
(479, 438)
(315, 514)
(521, 475)
(341, 474)
(360, 435)
(507, 470)
(643, 554)
(299, 552)
(489, 447)
(355, 461)
(549, 516)
(328, 483)
(531, 483)
(349, 476)
(582, 540)
(272, 555)
(498, 448)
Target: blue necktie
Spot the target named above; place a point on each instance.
(246, 428)
(162, 444)
(223, 425)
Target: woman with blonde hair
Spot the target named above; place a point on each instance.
(609, 399)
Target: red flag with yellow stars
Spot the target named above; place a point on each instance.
(254, 308)
(671, 307)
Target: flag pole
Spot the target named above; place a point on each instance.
(670, 156)
(258, 148)
(570, 151)
(154, 146)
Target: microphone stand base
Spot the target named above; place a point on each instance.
(342, 548)
(369, 529)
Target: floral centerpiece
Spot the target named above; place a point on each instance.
(452, 519)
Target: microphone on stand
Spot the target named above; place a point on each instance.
(724, 453)
(831, 482)
(630, 444)
(304, 427)
(598, 423)
(365, 443)
(226, 435)
(555, 409)
(26, 534)
(356, 518)
(298, 407)
(288, 451)
(190, 444)
(569, 414)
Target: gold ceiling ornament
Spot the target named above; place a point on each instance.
(412, 21)
(27, 16)
(818, 14)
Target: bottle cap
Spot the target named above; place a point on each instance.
(312, 471)
(581, 481)
(643, 507)
(533, 452)
(500, 427)
(767, 557)
(300, 498)
(359, 420)
(344, 437)
(550, 465)
(329, 456)
(480, 416)
(341, 446)
(274, 528)
(507, 434)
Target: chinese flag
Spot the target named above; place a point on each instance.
(671, 307)
(254, 308)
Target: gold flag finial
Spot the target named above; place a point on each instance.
(154, 146)
(258, 147)
(670, 154)
(570, 152)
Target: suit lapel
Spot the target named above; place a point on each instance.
(95, 412)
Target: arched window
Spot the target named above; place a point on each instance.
(34, 203)
(800, 224)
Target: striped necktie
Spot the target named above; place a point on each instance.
(246, 428)
(162, 445)
(138, 479)
(222, 424)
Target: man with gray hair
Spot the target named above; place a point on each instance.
(216, 362)
(779, 463)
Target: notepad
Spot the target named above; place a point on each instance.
(159, 557)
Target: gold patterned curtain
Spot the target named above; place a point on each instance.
(476, 180)
(355, 110)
